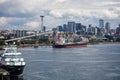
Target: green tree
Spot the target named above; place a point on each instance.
(118, 39)
(2, 42)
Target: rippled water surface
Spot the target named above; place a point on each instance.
(94, 62)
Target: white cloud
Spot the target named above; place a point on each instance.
(60, 1)
(57, 10)
(103, 13)
(3, 21)
(32, 24)
(11, 23)
(2, 1)
(109, 3)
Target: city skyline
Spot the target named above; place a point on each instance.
(20, 14)
(79, 28)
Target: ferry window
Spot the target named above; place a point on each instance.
(17, 56)
(8, 56)
(1, 51)
(11, 51)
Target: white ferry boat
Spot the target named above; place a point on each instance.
(12, 61)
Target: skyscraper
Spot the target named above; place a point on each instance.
(59, 28)
(83, 30)
(90, 30)
(78, 26)
(101, 26)
(101, 23)
(65, 27)
(107, 27)
(71, 27)
(118, 30)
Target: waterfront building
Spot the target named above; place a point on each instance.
(20, 33)
(23, 33)
(71, 27)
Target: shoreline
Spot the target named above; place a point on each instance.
(95, 43)
(32, 45)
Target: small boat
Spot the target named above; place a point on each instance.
(11, 60)
(35, 46)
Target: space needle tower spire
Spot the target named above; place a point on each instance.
(42, 27)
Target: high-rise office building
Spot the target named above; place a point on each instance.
(65, 27)
(59, 28)
(118, 30)
(71, 27)
(96, 31)
(101, 26)
(83, 29)
(107, 27)
(90, 30)
(78, 26)
(101, 23)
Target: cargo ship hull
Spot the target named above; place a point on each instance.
(70, 45)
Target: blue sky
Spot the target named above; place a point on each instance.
(25, 14)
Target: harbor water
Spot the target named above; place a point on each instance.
(94, 62)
